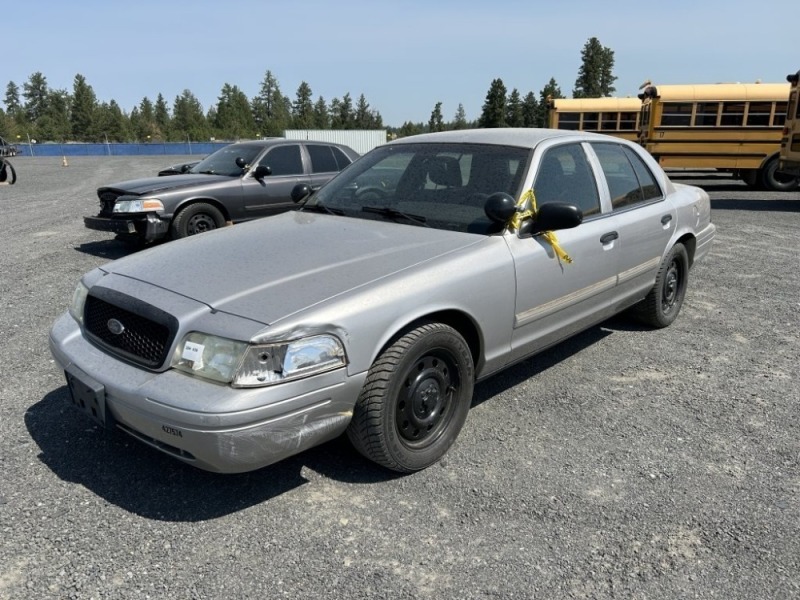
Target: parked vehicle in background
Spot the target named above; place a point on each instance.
(734, 127)
(375, 307)
(7, 148)
(612, 116)
(178, 169)
(236, 183)
(790, 141)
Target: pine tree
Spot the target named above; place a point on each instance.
(550, 91)
(529, 110)
(322, 119)
(11, 99)
(436, 122)
(35, 91)
(162, 118)
(514, 116)
(84, 105)
(595, 78)
(494, 108)
(303, 108)
(460, 118)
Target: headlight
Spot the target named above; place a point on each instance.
(78, 302)
(245, 365)
(136, 206)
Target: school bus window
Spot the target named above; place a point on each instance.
(569, 121)
(608, 121)
(732, 114)
(780, 114)
(706, 114)
(627, 121)
(590, 121)
(759, 114)
(677, 113)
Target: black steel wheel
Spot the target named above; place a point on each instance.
(662, 305)
(196, 218)
(415, 399)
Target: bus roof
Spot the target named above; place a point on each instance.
(595, 104)
(720, 91)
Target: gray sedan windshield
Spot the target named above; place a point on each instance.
(444, 186)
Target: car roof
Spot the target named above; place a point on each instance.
(527, 137)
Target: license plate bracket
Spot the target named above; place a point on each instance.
(88, 395)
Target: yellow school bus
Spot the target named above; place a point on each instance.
(733, 127)
(790, 141)
(613, 116)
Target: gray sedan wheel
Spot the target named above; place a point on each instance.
(415, 399)
(662, 305)
(196, 218)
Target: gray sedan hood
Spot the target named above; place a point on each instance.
(150, 185)
(270, 268)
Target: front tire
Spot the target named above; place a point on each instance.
(196, 218)
(415, 399)
(662, 305)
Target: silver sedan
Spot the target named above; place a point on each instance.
(430, 263)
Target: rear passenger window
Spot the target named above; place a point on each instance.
(342, 160)
(629, 180)
(322, 159)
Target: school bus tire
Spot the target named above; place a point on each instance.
(772, 179)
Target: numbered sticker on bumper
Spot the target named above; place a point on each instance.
(87, 395)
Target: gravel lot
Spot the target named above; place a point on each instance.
(625, 463)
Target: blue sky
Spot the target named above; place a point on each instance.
(404, 56)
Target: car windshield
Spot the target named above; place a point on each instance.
(223, 161)
(443, 185)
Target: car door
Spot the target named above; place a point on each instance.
(644, 219)
(555, 298)
(272, 193)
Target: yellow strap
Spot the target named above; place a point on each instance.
(525, 213)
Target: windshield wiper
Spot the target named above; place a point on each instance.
(394, 213)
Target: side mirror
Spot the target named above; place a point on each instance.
(261, 172)
(240, 162)
(500, 207)
(187, 167)
(553, 216)
(300, 192)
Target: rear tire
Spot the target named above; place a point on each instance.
(662, 305)
(415, 399)
(772, 179)
(196, 218)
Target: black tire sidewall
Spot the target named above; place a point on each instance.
(430, 338)
(181, 221)
(677, 253)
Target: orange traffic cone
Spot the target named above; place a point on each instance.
(64, 162)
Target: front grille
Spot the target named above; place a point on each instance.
(107, 200)
(139, 332)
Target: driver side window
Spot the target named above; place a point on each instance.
(565, 176)
(284, 160)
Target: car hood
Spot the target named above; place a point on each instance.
(271, 268)
(150, 185)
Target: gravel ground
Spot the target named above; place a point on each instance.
(624, 463)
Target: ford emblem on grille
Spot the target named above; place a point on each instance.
(115, 327)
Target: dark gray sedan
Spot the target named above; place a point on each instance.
(237, 183)
(432, 262)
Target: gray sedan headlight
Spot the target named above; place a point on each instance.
(246, 365)
(137, 206)
(78, 302)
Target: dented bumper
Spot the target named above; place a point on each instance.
(231, 431)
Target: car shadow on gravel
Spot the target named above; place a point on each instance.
(129, 474)
(769, 205)
(110, 249)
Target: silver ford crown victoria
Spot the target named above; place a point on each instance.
(430, 263)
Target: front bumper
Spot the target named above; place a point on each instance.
(230, 431)
(147, 226)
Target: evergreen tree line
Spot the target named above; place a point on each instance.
(41, 113)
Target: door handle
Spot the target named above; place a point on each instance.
(666, 219)
(609, 237)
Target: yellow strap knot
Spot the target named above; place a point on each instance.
(527, 209)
